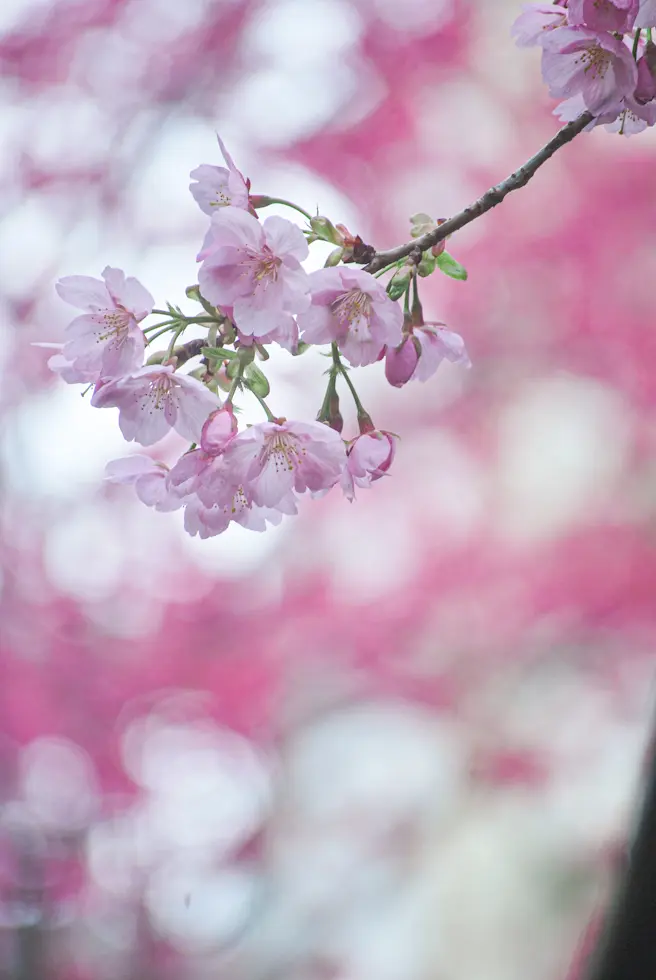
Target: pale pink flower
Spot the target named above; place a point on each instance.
(252, 271)
(67, 370)
(351, 307)
(153, 400)
(422, 352)
(219, 430)
(603, 15)
(271, 459)
(106, 340)
(627, 118)
(647, 14)
(369, 457)
(598, 66)
(218, 187)
(209, 521)
(147, 476)
(535, 21)
(646, 88)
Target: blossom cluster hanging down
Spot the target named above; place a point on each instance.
(253, 291)
(597, 55)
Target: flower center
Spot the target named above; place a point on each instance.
(353, 311)
(596, 60)
(262, 266)
(158, 393)
(116, 323)
(284, 452)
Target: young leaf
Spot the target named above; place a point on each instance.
(448, 265)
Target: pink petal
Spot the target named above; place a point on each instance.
(85, 292)
(285, 238)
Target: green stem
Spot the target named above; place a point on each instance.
(287, 204)
(339, 367)
(181, 329)
(164, 323)
(269, 414)
(636, 42)
(393, 265)
(159, 333)
(236, 382)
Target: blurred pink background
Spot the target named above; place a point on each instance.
(393, 740)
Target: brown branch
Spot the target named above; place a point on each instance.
(489, 200)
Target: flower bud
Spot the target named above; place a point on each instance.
(324, 229)
(401, 361)
(428, 262)
(399, 283)
(646, 88)
(335, 257)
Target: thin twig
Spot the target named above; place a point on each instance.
(489, 200)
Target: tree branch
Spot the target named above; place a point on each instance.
(489, 200)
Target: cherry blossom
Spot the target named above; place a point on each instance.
(603, 15)
(147, 476)
(422, 352)
(598, 66)
(369, 458)
(647, 14)
(535, 21)
(153, 400)
(106, 341)
(217, 187)
(271, 459)
(208, 521)
(351, 307)
(252, 271)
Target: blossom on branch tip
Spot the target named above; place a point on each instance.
(351, 307)
(597, 66)
(153, 400)
(217, 187)
(252, 271)
(106, 341)
(271, 459)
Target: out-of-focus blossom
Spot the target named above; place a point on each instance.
(603, 15)
(147, 476)
(535, 21)
(647, 14)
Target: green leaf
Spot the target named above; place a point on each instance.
(219, 352)
(427, 265)
(448, 265)
(256, 380)
(233, 369)
(398, 284)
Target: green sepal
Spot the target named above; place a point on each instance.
(448, 265)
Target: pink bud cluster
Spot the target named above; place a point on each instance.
(598, 56)
(254, 291)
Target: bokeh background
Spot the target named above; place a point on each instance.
(393, 740)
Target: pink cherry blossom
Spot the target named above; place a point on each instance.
(369, 458)
(106, 341)
(252, 271)
(218, 187)
(422, 352)
(627, 118)
(147, 476)
(209, 521)
(603, 15)
(67, 370)
(598, 66)
(153, 400)
(351, 307)
(647, 14)
(219, 430)
(271, 459)
(646, 88)
(535, 21)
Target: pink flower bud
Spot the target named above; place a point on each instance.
(401, 362)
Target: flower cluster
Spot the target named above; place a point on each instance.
(598, 56)
(254, 291)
